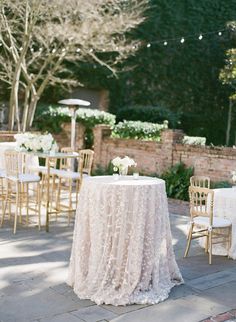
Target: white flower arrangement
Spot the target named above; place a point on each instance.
(122, 164)
(35, 142)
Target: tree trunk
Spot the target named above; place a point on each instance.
(229, 123)
(31, 111)
(14, 104)
(26, 108)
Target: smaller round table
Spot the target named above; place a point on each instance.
(122, 247)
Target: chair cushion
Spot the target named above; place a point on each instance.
(217, 222)
(25, 177)
(65, 174)
(40, 168)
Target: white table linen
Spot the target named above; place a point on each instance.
(31, 160)
(225, 207)
(122, 246)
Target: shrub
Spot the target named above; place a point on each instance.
(177, 180)
(154, 114)
(220, 184)
(138, 130)
(50, 118)
(101, 171)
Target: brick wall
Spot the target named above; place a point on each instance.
(63, 138)
(156, 157)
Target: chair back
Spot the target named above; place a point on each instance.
(200, 181)
(201, 202)
(66, 163)
(14, 163)
(86, 161)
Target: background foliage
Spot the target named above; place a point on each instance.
(180, 77)
(177, 180)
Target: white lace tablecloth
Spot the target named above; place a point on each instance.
(122, 247)
(30, 159)
(225, 207)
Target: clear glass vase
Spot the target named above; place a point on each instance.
(123, 171)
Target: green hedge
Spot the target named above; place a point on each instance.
(138, 130)
(153, 114)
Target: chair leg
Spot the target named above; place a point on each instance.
(17, 206)
(76, 193)
(27, 204)
(207, 244)
(70, 200)
(210, 246)
(58, 198)
(39, 205)
(20, 192)
(189, 240)
(229, 240)
(5, 205)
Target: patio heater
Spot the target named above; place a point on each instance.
(73, 105)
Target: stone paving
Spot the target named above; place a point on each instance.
(33, 273)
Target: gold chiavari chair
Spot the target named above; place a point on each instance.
(2, 188)
(66, 178)
(17, 190)
(200, 181)
(204, 224)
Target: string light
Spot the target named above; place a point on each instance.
(91, 50)
(78, 50)
(54, 50)
(183, 39)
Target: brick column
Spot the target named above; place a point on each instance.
(168, 139)
(100, 131)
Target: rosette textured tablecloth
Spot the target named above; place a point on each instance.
(122, 248)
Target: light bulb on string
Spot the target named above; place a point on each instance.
(219, 33)
(54, 50)
(200, 37)
(182, 40)
(78, 50)
(148, 45)
(165, 43)
(91, 50)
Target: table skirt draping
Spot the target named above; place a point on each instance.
(31, 160)
(122, 246)
(225, 207)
